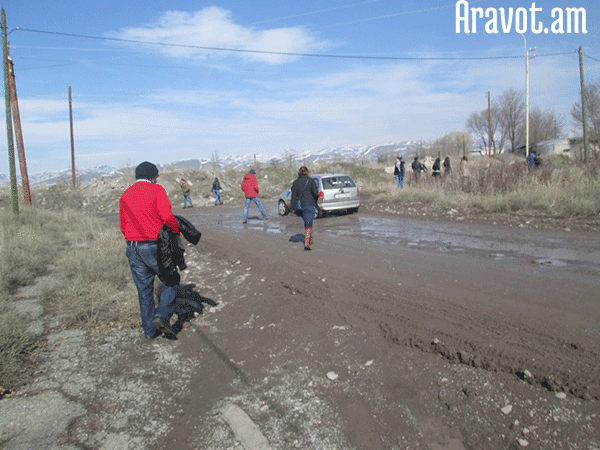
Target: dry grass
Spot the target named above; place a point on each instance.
(27, 244)
(88, 283)
(16, 348)
(561, 188)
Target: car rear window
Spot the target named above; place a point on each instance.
(343, 181)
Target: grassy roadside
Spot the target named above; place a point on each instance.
(560, 189)
(81, 275)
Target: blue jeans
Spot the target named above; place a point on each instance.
(217, 197)
(144, 267)
(400, 180)
(309, 213)
(187, 198)
(258, 204)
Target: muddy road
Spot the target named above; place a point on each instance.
(392, 333)
(395, 332)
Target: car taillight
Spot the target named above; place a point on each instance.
(357, 193)
(321, 196)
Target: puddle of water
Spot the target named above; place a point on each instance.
(545, 249)
(554, 252)
(551, 262)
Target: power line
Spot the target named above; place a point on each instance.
(310, 13)
(591, 57)
(403, 13)
(266, 52)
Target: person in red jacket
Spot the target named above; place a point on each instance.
(143, 209)
(250, 188)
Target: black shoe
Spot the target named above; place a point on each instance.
(163, 326)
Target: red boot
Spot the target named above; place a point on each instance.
(307, 238)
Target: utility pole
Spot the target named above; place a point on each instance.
(489, 125)
(527, 98)
(72, 141)
(586, 142)
(9, 130)
(19, 133)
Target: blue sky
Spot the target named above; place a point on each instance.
(176, 79)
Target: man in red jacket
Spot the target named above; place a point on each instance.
(250, 188)
(143, 209)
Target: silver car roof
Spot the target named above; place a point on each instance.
(323, 175)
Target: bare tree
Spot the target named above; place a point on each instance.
(289, 158)
(452, 144)
(511, 114)
(478, 124)
(592, 103)
(543, 125)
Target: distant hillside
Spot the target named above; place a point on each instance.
(368, 154)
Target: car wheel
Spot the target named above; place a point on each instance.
(283, 209)
(320, 213)
(353, 210)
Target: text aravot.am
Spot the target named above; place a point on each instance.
(521, 20)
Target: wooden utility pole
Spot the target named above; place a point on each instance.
(9, 130)
(19, 132)
(72, 141)
(489, 124)
(586, 142)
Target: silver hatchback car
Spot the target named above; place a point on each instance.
(337, 191)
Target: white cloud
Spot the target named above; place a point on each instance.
(199, 34)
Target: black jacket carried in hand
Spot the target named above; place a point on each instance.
(171, 250)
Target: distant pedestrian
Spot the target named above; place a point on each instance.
(447, 166)
(533, 161)
(185, 190)
(143, 210)
(216, 189)
(416, 168)
(399, 171)
(250, 188)
(305, 194)
(436, 169)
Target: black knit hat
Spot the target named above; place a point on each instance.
(146, 171)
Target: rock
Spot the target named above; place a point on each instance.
(332, 376)
(561, 395)
(506, 409)
(523, 442)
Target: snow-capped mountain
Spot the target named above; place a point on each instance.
(341, 154)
